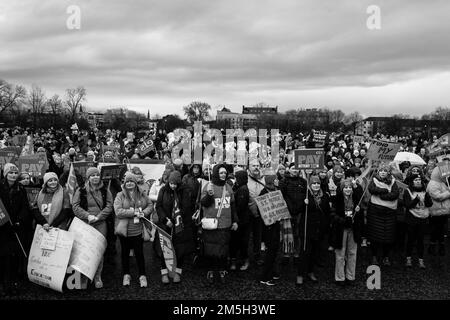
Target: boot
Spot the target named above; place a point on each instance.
(421, 264)
(233, 265)
(441, 249)
(299, 281)
(408, 263)
(432, 249)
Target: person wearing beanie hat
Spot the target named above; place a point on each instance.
(417, 202)
(347, 223)
(312, 223)
(381, 213)
(130, 205)
(15, 200)
(281, 171)
(157, 185)
(174, 211)
(335, 181)
(218, 195)
(93, 203)
(142, 184)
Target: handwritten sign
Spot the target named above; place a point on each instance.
(444, 168)
(272, 207)
(146, 146)
(319, 138)
(36, 164)
(116, 171)
(382, 151)
(49, 239)
(48, 268)
(358, 139)
(88, 248)
(309, 158)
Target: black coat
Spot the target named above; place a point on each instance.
(294, 193)
(317, 217)
(16, 204)
(340, 222)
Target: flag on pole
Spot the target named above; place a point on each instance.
(4, 216)
(28, 149)
(71, 184)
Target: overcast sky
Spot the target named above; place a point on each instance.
(161, 55)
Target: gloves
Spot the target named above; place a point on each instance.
(92, 218)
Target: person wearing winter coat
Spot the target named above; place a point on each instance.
(190, 180)
(12, 259)
(241, 237)
(93, 204)
(175, 217)
(293, 188)
(347, 223)
(142, 184)
(131, 204)
(381, 213)
(218, 197)
(439, 190)
(53, 203)
(314, 210)
(158, 184)
(417, 203)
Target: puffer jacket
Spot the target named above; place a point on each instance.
(440, 193)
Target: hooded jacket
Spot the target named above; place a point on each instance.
(242, 197)
(440, 193)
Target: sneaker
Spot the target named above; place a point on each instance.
(143, 281)
(131, 253)
(176, 278)
(126, 280)
(165, 279)
(408, 262)
(330, 248)
(210, 276)
(245, 266)
(233, 266)
(98, 283)
(268, 283)
(421, 264)
(386, 262)
(312, 277)
(276, 277)
(299, 281)
(222, 276)
(364, 243)
(263, 246)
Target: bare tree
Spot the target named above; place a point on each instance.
(55, 105)
(10, 95)
(74, 100)
(37, 102)
(197, 111)
(352, 118)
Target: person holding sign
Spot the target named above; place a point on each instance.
(381, 213)
(130, 205)
(175, 211)
(219, 217)
(315, 209)
(439, 190)
(54, 209)
(347, 224)
(15, 237)
(93, 203)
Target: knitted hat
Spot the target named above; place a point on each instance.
(72, 151)
(137, 170)
(281, 167)
(130, 176)
(345, 183)
(338, 169)
(314, 179)
(9, 167)
(48, 176)
(166, 174)
(175, 177)
(92, 170)
(178, 162)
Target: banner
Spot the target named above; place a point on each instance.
(28, 149)
(36, 165)
(32, 194)
(165, 240)
(88, 248)
(81, 167)
(7, 157)
(309, 158)
(146, 146)
(358, 139)
(48, 267)
(272, 207)
(72, 183)
(382, 151)
(16, 150)
(114, 171)
(4, 216)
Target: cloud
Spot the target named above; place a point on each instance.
(164, 54)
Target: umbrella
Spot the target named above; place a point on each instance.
(409, 156)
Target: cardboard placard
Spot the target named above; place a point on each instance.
(7, 157)
(382, 151)
(309, 158)
(115, 171)
(272, 207)
(36, 164)
(146, 146)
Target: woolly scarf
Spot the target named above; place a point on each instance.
(52, 209)
(287, 236)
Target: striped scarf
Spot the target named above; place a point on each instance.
(286, 236)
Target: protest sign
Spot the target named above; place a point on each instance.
(88, 248)
(20, 140)
(4, 216)
(112, 171)
(48, 268)
(36, 164)
(7, 157)
(320, 138)
(153, 170)
(382, 151)
(272, 207)
(80, 167)
(358, 139)
(444, 168)
(146, 146)
(165, 241)
(309, 158)
(32, 194)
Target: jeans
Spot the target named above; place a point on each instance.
(346, 258)
(272, 245)
(136, 243)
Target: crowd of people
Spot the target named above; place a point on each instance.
(211, 213)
